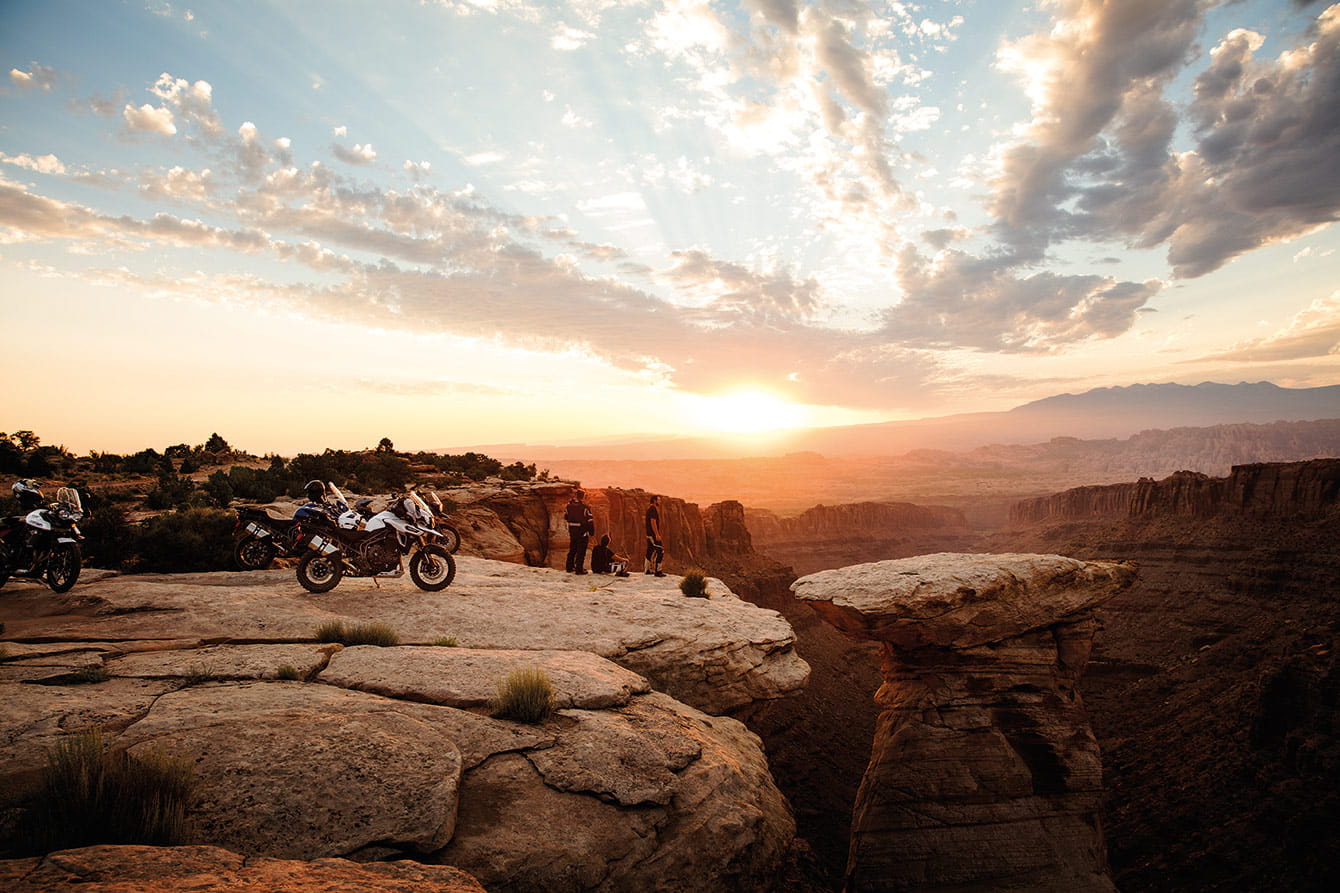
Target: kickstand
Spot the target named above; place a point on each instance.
(375, 582)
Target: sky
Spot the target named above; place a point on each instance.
(316, 223)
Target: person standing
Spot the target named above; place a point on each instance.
(655, 546)
(581, 524)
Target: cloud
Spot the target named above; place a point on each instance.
(149, 119)
(1313, 332)
(734, 293)
(955, 300)
(361, 154)
(1097, 163)
(192, 102)
(42, 164)
(177, 183)
(40, 78)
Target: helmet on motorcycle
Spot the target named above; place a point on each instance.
(27, 493)
(316, 491)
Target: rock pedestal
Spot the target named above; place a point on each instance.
(984, 774)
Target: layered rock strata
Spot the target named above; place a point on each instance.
(1262, 491)
(829, 536)
(984, 774)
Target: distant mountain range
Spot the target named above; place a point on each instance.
(1097, 414)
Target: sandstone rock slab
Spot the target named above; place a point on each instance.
(135, 869)
(468, 678)
(631, 809)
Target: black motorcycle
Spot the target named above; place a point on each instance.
(259, 538)
(378, 550)
(44, 543)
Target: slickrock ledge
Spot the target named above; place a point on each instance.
(307, 751)
(984, 774)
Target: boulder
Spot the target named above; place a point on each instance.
(984, 774)
(134, 869)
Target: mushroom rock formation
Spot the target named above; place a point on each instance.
(984, 774)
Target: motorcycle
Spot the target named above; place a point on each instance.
(451, 537)
(377, 550)
(44, 543)
(259, 537)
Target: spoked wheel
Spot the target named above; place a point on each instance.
(63, 567)
(451, 537)
(251, 553)
(318, 572)
(432, 568)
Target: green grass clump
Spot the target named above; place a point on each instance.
(91, 795)
(694, 584)
(446, 642)
(288, 672)
(358, 634)
(526, 695)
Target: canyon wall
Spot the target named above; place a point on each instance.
(829, 536)
(1213, 686)
(524, 523)
(1261, 490)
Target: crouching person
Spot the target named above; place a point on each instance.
(605, 560)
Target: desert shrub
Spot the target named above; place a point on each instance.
(194, 539)
(109, 540)
(380, 634)
(446, 642)
(91, 795)
(288, 672)
(526, 695)
(694, 584)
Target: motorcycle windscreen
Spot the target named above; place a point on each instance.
(68, 499)
(419, 512)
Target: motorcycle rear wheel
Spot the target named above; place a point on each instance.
(251, 553)
(318, 572)
(63, 567)
(451, 538)
(432, 568)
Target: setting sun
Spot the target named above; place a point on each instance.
(749, 412)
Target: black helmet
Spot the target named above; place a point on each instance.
(316, 491)
(27, 493)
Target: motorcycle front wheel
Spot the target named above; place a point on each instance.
(432, 568)
(251, 553)
(318, 572)
(63, 567)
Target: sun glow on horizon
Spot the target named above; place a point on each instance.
(749, 412)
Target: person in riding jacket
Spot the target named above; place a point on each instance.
(655, 546)
(581, 524)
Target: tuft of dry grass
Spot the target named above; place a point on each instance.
(92, 795)
(526, 695)
(380, 634)
(694, 584)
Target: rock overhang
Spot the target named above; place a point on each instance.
(960, 600)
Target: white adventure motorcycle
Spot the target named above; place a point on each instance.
(378, 549)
